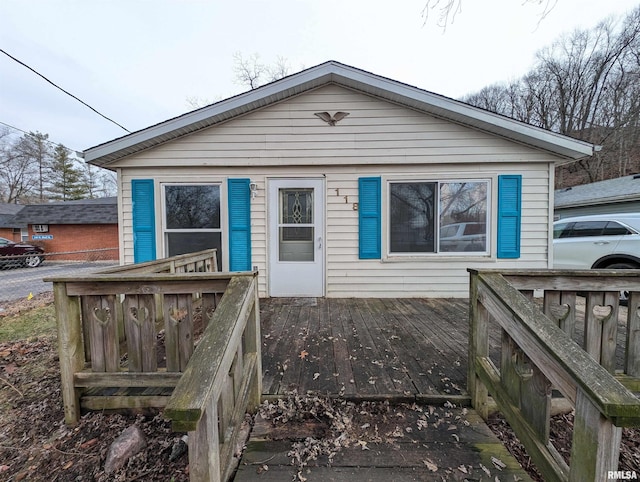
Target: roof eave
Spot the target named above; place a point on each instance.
(333, 72)
(591, 202)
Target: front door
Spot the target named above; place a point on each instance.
(296, 237)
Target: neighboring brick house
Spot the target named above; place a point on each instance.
(79, 230)
(8, 227)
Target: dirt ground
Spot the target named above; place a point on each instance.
(36, 445)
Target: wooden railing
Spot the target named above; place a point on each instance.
(126, 334)
(538, 353)
(202, 261)
(221, 383)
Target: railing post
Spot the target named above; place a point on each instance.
(478, 347)
(596, 443)
(204, 446)
(254, 345)
(70, 348)
(632, 352)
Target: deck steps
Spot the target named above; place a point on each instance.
(414, 443)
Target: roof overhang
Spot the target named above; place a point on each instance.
(600, 201)
(333, 72)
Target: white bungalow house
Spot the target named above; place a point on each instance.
(338, 182)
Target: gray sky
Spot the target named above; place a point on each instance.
(137, 62)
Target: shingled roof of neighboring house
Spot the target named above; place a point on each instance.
(84, 211)
(602, 192)
(7, 214)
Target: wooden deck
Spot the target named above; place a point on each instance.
(400, 350)
(414, 349)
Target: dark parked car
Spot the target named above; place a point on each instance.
(20, 253)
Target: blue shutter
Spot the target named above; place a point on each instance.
(369, 217)
(509, 213)
(144, 225)
(239, 197)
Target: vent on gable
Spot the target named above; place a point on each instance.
(40, 228)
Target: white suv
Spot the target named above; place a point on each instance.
(609, 241)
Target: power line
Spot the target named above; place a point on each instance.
(66, 92)
(53, 143)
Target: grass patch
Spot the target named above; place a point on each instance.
(37, 322)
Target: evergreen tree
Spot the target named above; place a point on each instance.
(67, 181)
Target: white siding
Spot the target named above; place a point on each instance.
(376, 139)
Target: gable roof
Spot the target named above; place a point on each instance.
(7, 214)
(84, 211)
(333, 72)
(10, 208)
(602, 192)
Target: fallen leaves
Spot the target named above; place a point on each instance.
(42, 448)
(430, 465)
(362, 444)
(343, 419)
(10, 368)
(499, 464)
(303, 354)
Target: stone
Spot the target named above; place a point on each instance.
(130, 442)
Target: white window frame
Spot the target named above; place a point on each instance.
(223, 218)
(40, 228)
(386, 224)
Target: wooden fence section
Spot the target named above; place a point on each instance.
(222, 381)
(125, 336)
(537, 354)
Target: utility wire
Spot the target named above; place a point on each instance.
(53, 143)
(66, 92)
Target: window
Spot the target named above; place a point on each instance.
(40, 228)
(192, 218)
(587, 228)
(295, 226)
(438, 217)
(582, 229)
(615, 229)
(559, 230)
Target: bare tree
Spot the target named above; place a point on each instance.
(251, 72)
(17, 174)
(279, 69)
(34, 149)
(447, 10)
(585, 85)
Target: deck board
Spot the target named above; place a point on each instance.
(365, 347)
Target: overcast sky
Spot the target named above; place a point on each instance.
(138, 62)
